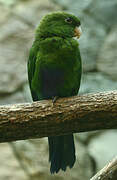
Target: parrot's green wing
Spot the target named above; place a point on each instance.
(31, 69)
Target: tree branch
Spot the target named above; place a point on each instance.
(68, 115)
(108, 172)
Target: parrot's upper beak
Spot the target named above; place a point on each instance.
(77, 32)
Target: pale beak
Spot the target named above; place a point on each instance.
(77, 32)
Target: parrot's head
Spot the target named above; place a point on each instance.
(59, 24)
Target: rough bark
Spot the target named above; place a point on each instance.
(108, 172)
(68, 115)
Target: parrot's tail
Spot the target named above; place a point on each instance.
(61, 152)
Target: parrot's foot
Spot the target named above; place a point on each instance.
(54, 99)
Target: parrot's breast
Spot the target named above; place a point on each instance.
(58, 69)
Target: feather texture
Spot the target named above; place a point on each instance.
(54, 69)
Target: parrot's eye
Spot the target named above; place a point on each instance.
(68, 20)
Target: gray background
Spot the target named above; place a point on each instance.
(98, 45)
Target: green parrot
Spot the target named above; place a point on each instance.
(54, 70)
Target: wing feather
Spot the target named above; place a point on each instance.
(31, 69)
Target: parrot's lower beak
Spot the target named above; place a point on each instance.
(77, 32)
